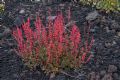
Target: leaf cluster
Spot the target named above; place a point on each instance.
(2, 7)
(107, 5)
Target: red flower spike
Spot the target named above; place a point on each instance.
(18, 36)
(83, 57)
(54, 42)
(88, 59)
(38, 26)
(44, 37)
(50, 30)
(58, 28)
(75, 40)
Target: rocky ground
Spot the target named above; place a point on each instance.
(105, 65)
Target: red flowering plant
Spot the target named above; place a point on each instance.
(52, 47)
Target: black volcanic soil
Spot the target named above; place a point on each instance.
(105, 65)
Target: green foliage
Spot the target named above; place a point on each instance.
(2, 8)
(107, 5)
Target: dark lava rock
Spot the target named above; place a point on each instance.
(60, 77)
(18, 20)
(107, 77)
(92, 76)
(1, 36)
(112, 68)
(116, 76)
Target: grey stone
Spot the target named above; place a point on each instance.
(107, 29)
(118, 33)
(112, 68)
(6, 31)
(92, 16)
(92, 75)
(116, 76)
(22, 11)
(92, 30)
(37, 0)
(51, 17)
(18, 21)
(102, 73)
(15, 75)
(114, 43)
(107, 77)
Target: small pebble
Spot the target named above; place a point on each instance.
(92, 30)
(51, 17)
(22, 11)
(15, 75)
(102, 73)
(118, 33)
(114, 42)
